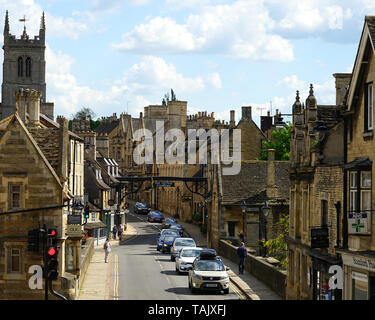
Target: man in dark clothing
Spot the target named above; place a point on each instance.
(242, 254)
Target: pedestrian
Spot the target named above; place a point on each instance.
(107, 249)
(242, 254)
(114, 231)
(119, 232)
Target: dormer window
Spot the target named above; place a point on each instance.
(28, 67)
(20, 67)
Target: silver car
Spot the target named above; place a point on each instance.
(186, 258)
(180, 243)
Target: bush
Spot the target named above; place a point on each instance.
(197, 217)
(204, 228)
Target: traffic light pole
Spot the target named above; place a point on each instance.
(45, 276)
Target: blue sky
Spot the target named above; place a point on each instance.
(121, 55)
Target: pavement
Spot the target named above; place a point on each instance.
(96, 285)
(249, 285)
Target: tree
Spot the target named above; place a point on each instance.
(280, 142)
(84, 113)
(166, 98)
(277, 247)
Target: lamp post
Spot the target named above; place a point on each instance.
(243, 208)
(265, 212)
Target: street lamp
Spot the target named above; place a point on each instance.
(265, 211)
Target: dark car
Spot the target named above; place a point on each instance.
(141, 208)
(164, 233)
(178, 227)
(167, 243)
(167, 223)
(155, 216)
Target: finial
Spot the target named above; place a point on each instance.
(6, 25)
(42, 22)
(311, 90)
(297, 95)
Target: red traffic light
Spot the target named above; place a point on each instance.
(51, 251)
(52, 232)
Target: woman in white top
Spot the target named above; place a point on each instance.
(107, 249)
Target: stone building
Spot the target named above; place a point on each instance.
(316, 199)
(37, 178)
(358, 250)
(24, 66)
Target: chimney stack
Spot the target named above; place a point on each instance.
(246, 113)
(232, 118)
(63, 148)
(28, 105)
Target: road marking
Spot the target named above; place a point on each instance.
(115, 286)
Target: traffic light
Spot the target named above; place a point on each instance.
(87, 212)
(33, 240)
(52, 235)
(52, 262)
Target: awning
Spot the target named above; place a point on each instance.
(95, 225)
(359, 164)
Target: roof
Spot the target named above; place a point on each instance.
(359, 163)
(251, 183)
(367, 40)
(107, 126)
(95, 225)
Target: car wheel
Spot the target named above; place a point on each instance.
(226, 291)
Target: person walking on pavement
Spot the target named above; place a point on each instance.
(107, 249)
(114, 231)
(119, 232)
(242, 254)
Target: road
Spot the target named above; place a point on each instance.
(140, 272)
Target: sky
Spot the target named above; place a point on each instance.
(117, 56)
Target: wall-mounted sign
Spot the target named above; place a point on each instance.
(359, 262)
(359, 223)
(319, 238)
(164, 184)
(74, 230)
(74, 219)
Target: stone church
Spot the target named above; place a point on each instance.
(24, 66)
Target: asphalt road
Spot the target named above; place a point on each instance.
(140, 272)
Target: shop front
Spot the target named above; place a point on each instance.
(359, 275)
(321, 264)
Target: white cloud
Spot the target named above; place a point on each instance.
(292, 82)
(56, 26)
(242, 29)
(214, 80)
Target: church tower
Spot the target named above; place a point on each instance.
(24, 66)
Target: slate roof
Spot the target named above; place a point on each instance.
(251, 182)
(107, 126)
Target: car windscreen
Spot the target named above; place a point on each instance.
(169, 238)
(209, 265)
(190, 253)
(175, 226)
(155, 214)
(184, 243)
(167, 232)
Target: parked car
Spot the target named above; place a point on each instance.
(208, 273)
(164, 233)
(141, 208)
(185, 258)
(167, 243)
(168, 222)
(155, 216)
(180, 243)
(178, 227)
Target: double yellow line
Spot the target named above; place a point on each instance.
(115, 284)
(237, 291)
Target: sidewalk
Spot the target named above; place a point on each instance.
(96, 285)
(247, 283)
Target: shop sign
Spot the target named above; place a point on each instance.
(359, 262)
(164, 184)
(359, 276)
(319, 238)
(74, 219)
(358, 223)
(74, 230)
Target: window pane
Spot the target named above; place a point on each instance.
(15, 257)
(353, 200)
(366, 179)
(370, 107)
(365, 200)
(353, 179)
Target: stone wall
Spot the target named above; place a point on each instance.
(265, 272)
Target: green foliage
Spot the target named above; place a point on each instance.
(168, 98)
(277, 247)
(84, 113)
(204, 228)
(280, 142)
(316, 143)
(94, 124)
